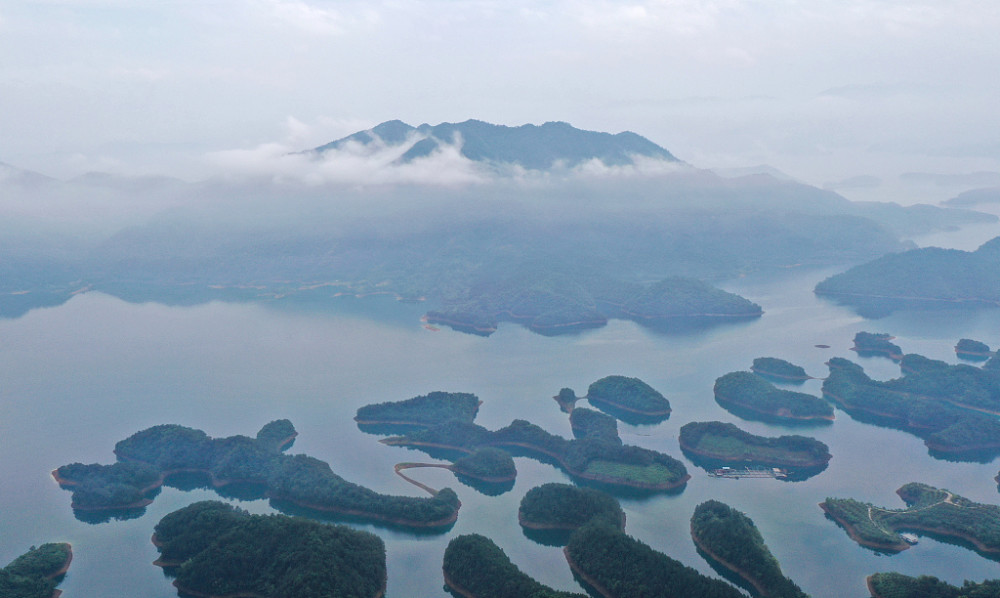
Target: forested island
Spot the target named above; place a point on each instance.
(628, 394)
(217, 550)
(301, 480)
(475, 567)
(897, 585)
(724, 443)
(868, 344)
(587, 423)
(751, 397)
(592, 459)
(617, 565)
(424, 410)
(730, 538)
(951, 407)
(920, 279)
(972, 350)
(565, 507)
(931, 510)
(779, 369)
(36, 573)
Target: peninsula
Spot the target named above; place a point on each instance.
(475, 567)
(36, 573)
(751, 397)
(951, 407)
(424, 410)
(731, 539)
(300, 480)
(897, 585)
(222, 551)
(931, 510)
(727, 444)
(868, 344)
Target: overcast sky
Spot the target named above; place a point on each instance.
(823, 90)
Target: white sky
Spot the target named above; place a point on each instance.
(823, 90)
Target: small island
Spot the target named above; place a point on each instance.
(779, 370)
(221, 551)
(595, 460)
(617, 565)
(555, 506)
(897, 585)
(951, 407)
(629, 399)
(425, 410)
(869, 344)
(971, 350)
(731, 539)
(475, 567)
(149, 457)
(751, 397)
(930, 510)
(724, 443)
(587, 423)
(36, 573)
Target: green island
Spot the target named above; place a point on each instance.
(972, 350)
(730, 538)
(617, 565)
(300, 480)
(629, 399)
(869, 344)
(931, 510)
(566, 399)
(425, 410)
(951, 407)
(36, 573)
(587, 423)
(553, 302)
(897, 585)
(475, 567)
(725, 443)
(567, 507)
(919, 279)
(218, 551)
(751, 397)
(488, 470)
(779, 369)
(591, 459)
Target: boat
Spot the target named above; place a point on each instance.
(748, 472)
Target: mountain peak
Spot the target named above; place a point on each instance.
(534, 147)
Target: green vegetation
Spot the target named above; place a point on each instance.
(772, 367)
(627, 568)
(487, 464)
(221, 550)
(425, 410)
(474, 565)
(562, 506)
(969, 349)
(941, 403)
(870, 343)
(36, 573)
(928, 509)
(920, 278)
(750, 396)
(731, 538)
(587, 423)
(897, 585)
(727, 443)
(630, 394)
(277, 434)
(592, 459)
(158, 451)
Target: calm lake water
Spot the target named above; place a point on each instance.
(77, 378)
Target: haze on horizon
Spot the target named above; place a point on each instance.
(849, 95)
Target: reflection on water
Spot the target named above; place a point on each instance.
(78, 377)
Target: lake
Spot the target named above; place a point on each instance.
(76, 378)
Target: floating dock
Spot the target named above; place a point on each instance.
(746, 472)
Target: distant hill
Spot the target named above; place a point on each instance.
(18, 176)
(920, 278)
(975, 196)
(534, 147)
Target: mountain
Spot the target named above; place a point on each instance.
(25, 178)
(534, 147)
